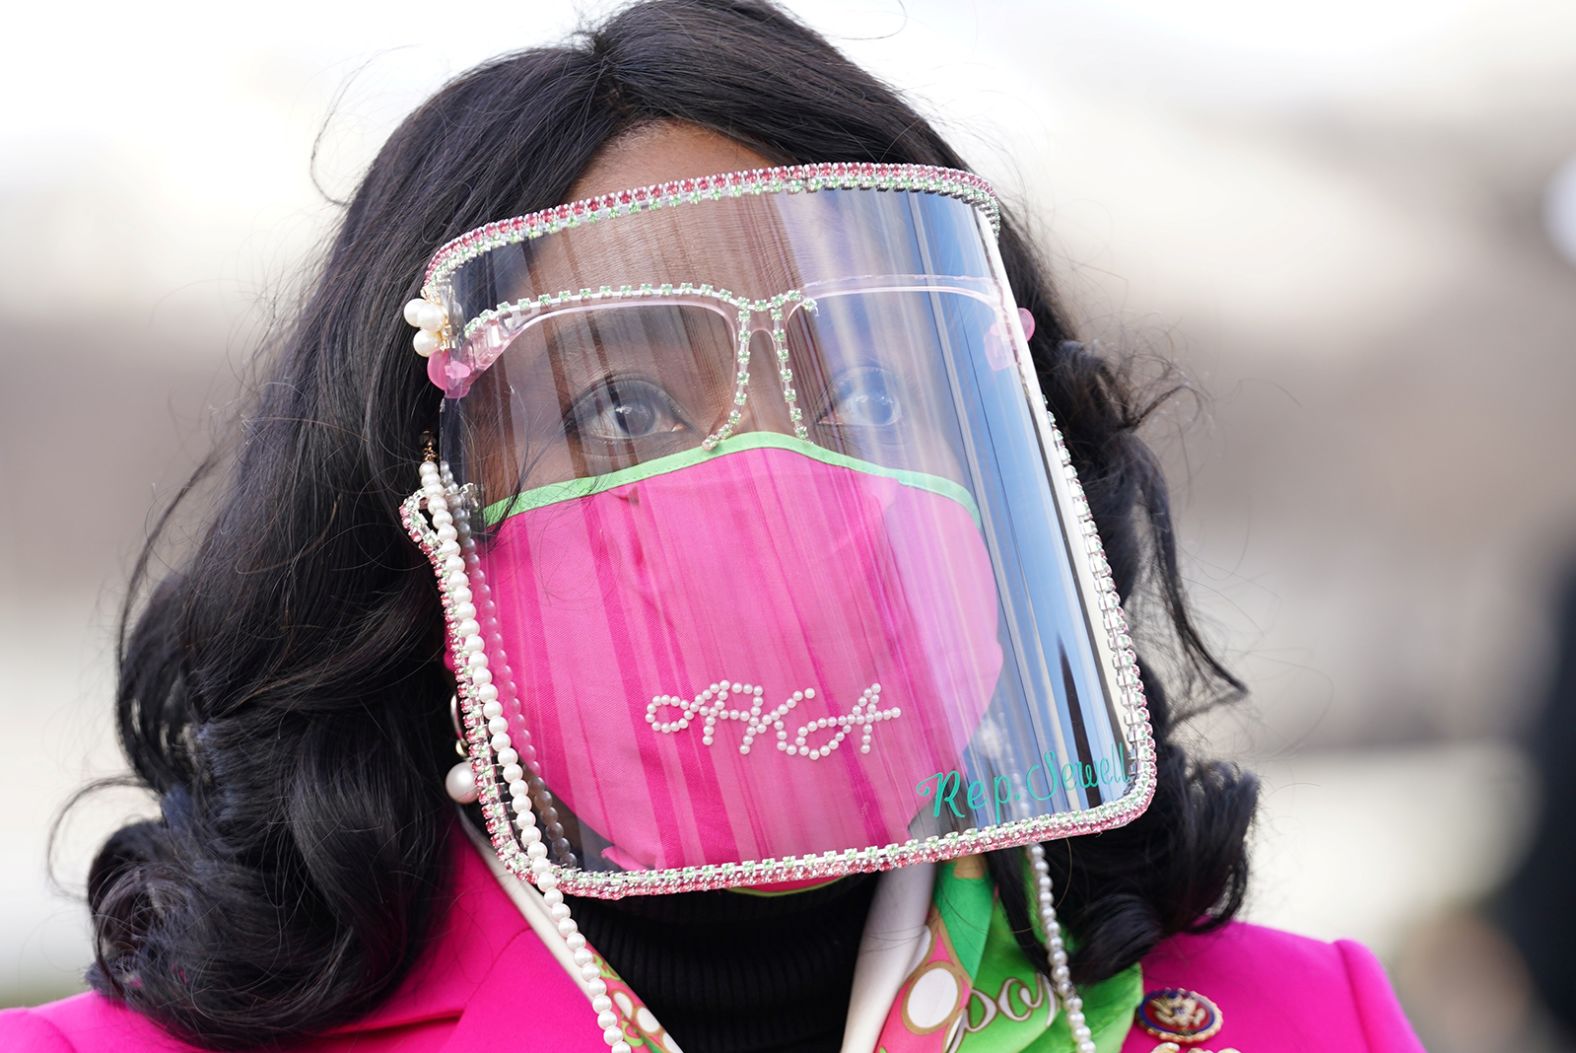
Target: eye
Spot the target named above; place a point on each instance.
(864, 397)
(623, 408)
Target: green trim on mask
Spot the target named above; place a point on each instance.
(553, 493)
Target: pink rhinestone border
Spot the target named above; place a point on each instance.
(834, 175)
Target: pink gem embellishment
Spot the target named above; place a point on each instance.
(447, 374)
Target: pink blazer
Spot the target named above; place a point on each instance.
(486, 970)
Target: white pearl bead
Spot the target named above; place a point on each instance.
(430, 317)
(424, 342)
(413, 311)
(598, 988)
(606, 1019)
(613, 1036)
(601, 1003)
(460, 783)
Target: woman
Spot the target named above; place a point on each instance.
(802, 445)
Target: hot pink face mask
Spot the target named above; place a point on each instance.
(764, 653)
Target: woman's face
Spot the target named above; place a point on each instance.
(588, 391)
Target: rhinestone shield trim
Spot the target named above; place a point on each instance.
(793, 179)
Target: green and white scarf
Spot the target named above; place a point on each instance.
(971, 990)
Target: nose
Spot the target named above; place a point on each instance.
(765, 407)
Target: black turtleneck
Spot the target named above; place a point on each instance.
(731, 972)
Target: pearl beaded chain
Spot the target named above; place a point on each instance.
(515, 764)
(473, 649)
(1061, 975)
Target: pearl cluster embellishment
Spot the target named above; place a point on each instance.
(1056, 949)
(711, 705)
(431, 322)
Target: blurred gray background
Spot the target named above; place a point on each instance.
(1351, 224)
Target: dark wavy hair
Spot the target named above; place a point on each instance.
(281, 690)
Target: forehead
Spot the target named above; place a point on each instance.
(750, 246)
(753, 247)
(660, 152)
(740, 250)
(899, 221)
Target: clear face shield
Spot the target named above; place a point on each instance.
(762, 559)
